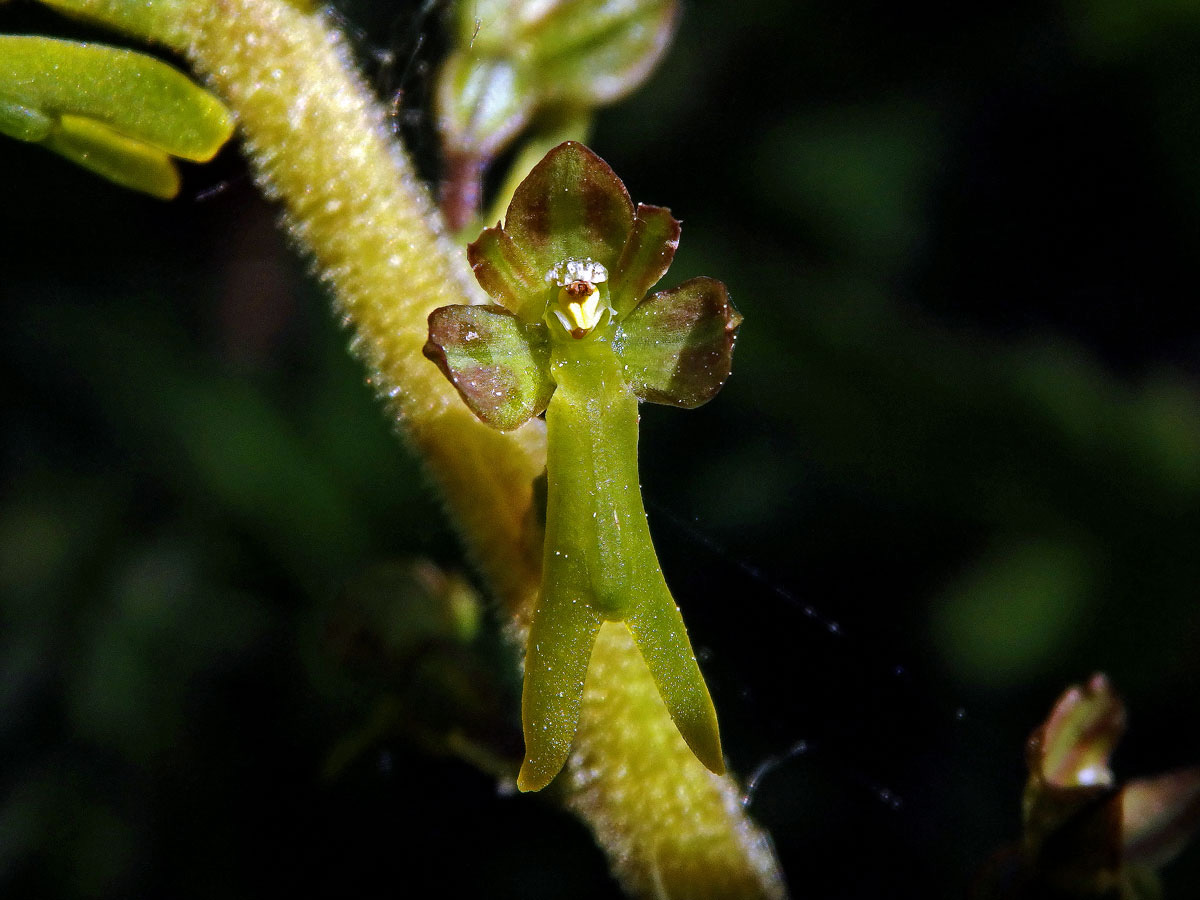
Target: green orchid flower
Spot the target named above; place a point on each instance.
(575, 335)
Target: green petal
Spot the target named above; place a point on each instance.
(159, 20)
(560, 646)
(482, 102)
(578, 51)
(571, 205)
(489, 25)
(646, 257)
(507, 274)
(23, 123)
(129, 93)
(1159, 816)
(677, 345)
(128, 163)
(659, 633)
(498, 363)
(587, 52)
(1073, 747)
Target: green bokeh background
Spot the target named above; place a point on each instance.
(957, 469)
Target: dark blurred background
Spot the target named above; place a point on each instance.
(957, 469)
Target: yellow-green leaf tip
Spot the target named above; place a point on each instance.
(118, 113)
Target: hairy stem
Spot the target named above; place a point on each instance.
(318, 144)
